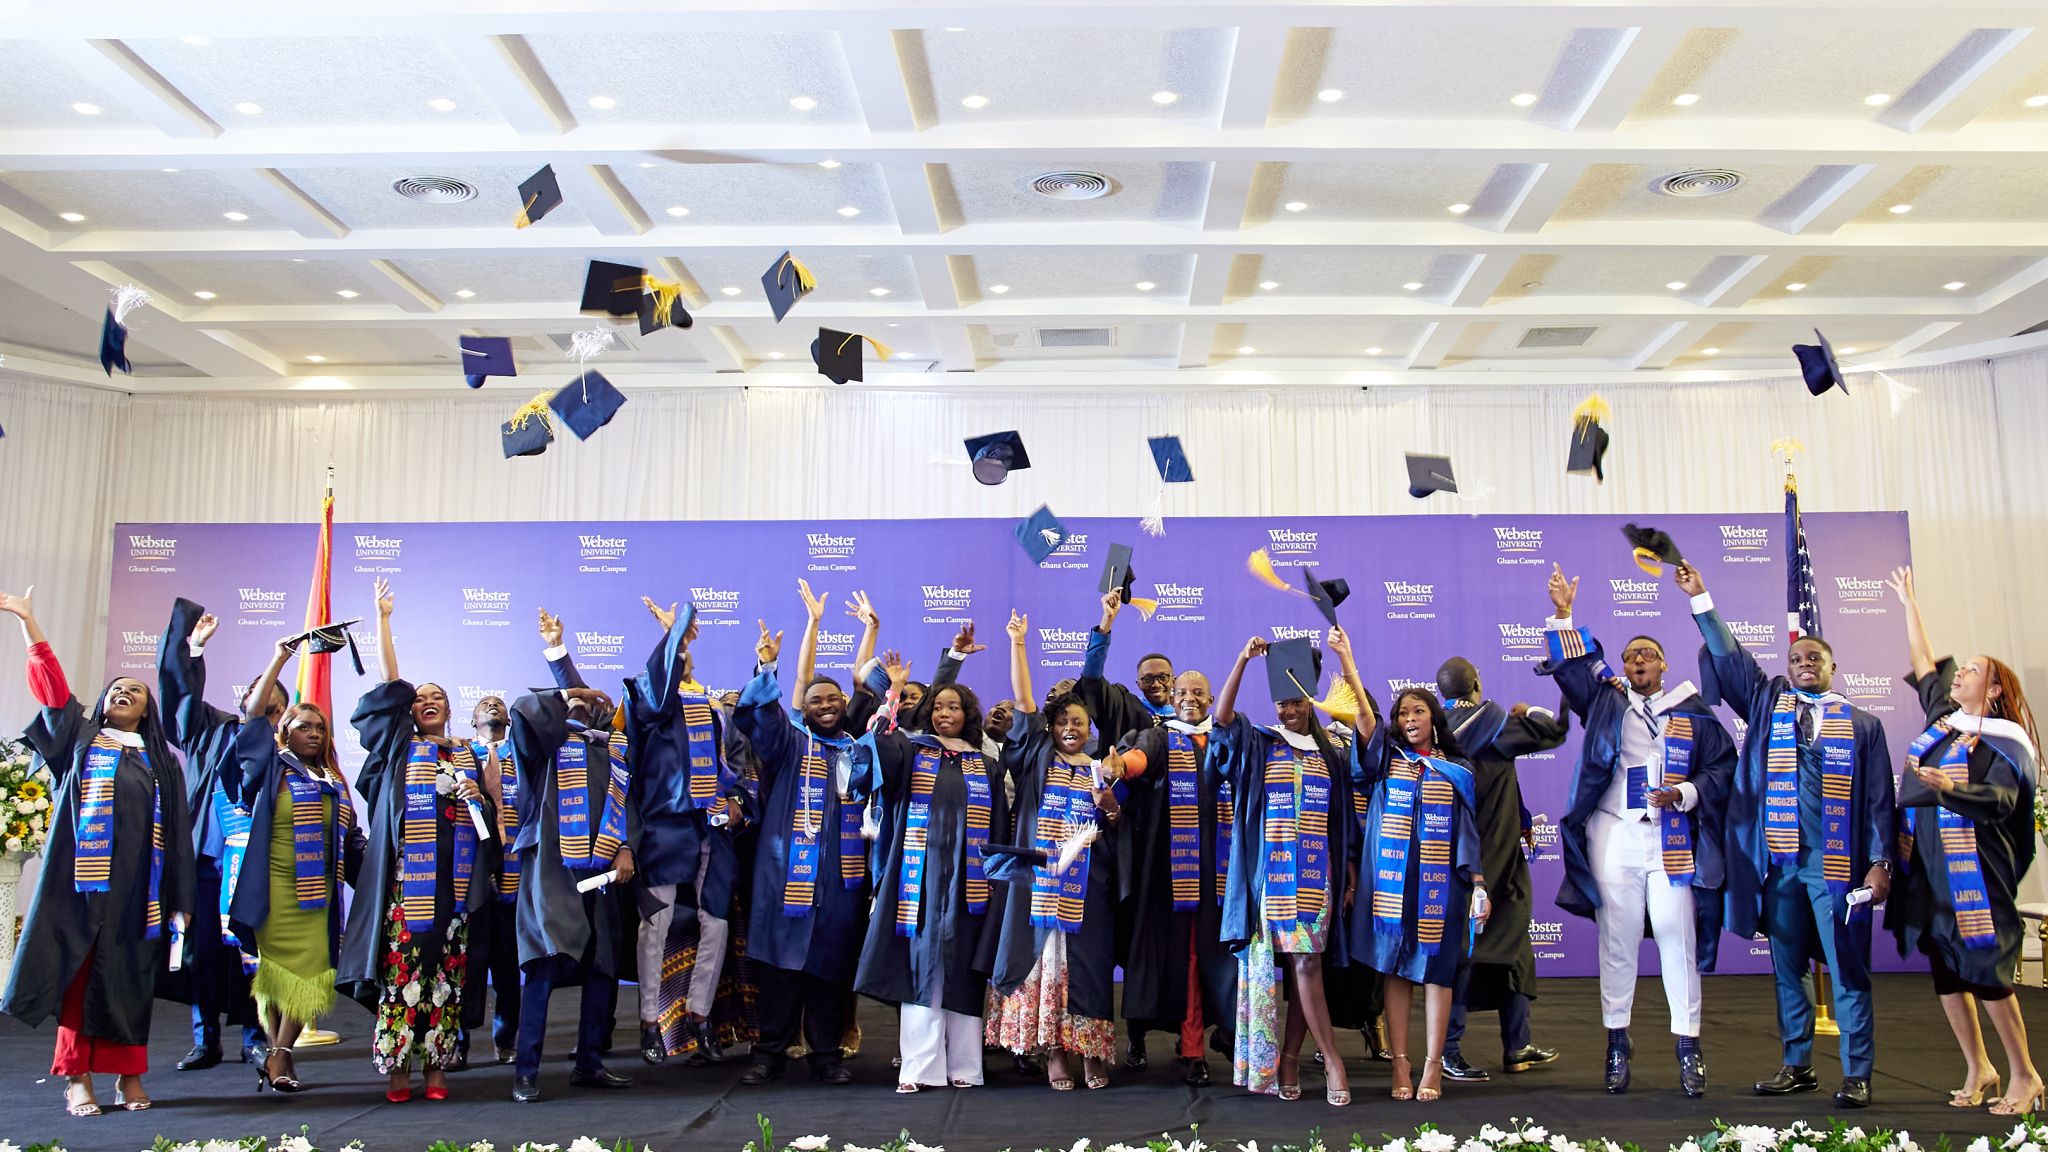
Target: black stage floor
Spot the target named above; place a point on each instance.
(704, 1108)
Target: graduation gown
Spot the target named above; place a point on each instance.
(257, 783)
(1091, 952)
(1116, 709)
(63, 924)
(1401, 955)
(1999, 799)
(1238, 752)
(898, 969)
(1492, 737)
(554, 919)
(1156, 957)
(673, 830)
(384, 726)
(1734, 678)
(1601, 708)
(826, 943)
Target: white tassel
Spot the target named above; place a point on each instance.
(1898, 393)
(1076, 844)
(127, 298)
(1154, 521)
(583, 346)
(1474, 497)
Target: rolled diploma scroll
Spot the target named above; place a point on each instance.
(600, 880)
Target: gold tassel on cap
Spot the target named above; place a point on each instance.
(1593, 408)
(665, 294)
(1145, 605)
(1341, 703)
(1261, 565)
(882, 351)
(805, 282)
(520, 221)
(534, 409)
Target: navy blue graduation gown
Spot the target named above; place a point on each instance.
(826, 943)
(673, 831)
(1492, 737)
(258, 781)
(1155, 957)
(1401, 955)
(1238, 751)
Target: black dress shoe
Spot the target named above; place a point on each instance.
(1197, 1074)
(761, 1073)
(652, 1050)
(199, 1057)
(1618, 1053)
(461, 1061)
(506, 1055)
(1027, 1064)
(1854, 1093)
(1525, 1058)
(707, 1042)
(1692, 1073)
(525, 1089)
(832, 1073)
(1790, 1078)
(1455, 1068)
(1135, 1058)
(602, 1078)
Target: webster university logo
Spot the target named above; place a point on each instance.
(140, 643)
(1177, 596)
(1736, 538)
(824, 545)
(259, 601)
(1408, 594)
(1627, 591)
(379, 547)
(1520, 637)
(600, 644)
(1856, 590)
(1062, 641)
(1751, 634)
(1314, 636)
(715, 601)
(1290, 542)
(485, 602)
(1858, 686)
(473, 694)
(602, 547)
(944, 598)
(837, 644)
(1397, 685)
(1076, 544)
(145, 546)
(1517, 539)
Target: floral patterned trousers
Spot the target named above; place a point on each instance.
(419, 1007)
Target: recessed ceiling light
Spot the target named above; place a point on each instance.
(1877, 99)
(998, 289)
(878, 291)
(1146, 285)
(1686, 99)
(849, 211)
(237, 217)
(84, 109)
(647, 164)
(1901, 209)
(828, 163)
(974, 101)
(802, 103)
(1676, 285)
(1412, 286)
(348, 293)
(956, 29)
(730, 290)
(1955, 285)
(249, 108)
(203, 294)
(678, 211)
(775, 355)
(464, 293)
(317, 359)
(1163, 98)
(1295, 206)
(1532, 283)
(603, 103)
(298, 259)
(1268, 285)
(1710, 351)
(71, 217)
(1246, 350)
(1330, 95)
(2037, 101)
(171, 171)
(441, 104)
(195, 40)
(1796, 286)
(1846, 351)
(1522, 99)
(1457, 209)
(1373, 351)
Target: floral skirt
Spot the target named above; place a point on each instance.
(1262, 1001)
(1035, 1016)
(419, 1003)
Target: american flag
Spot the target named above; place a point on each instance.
(1802, 602)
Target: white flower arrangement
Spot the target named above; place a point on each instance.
(25, 790)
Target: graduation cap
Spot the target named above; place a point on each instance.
(1326, 593)
(1427, 474)
(487, 356)
(786, 281)
(530, 430)
(1170, 459)
(587, 403)
(114, 346)
(330, 638)
(839, 355)
(539, 195)
(1651, 546)
(1817, 364)
(661, 306)
(1589, 439)
(1293, 669)
(1040, 533)
(613, 289)
(996, 456)
(1011, 863)
(1117, 572)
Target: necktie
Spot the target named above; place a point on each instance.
(1808, 721)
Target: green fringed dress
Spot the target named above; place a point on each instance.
(294, 963)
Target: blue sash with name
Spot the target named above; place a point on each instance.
(707, 763)
(1297, 834)
(1781, 786)
(234, 834)
(508, 813)
(924, 778)
(313, 843)
(807, 818)
(419, 864)
(1421, 793)
(1958, 842)
(1184, 819)
(572, 805)
(1675, 826)
(1066, 804)
(93, 831)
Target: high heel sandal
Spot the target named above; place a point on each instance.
(122, 1101)
(1424, 1094)
(2035, 1104)
(289, 1080)
(1096, 1081)
(1290, 1091)
(1966, 1098)
(81, 1108)
(1402, 1089)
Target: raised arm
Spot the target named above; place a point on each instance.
(1365, 722)
(807, 645)
(181, 678)
(760, 717)
(1572, 654)
(1226, 700)
(22, 607)
(1728, 672)
(386, 647)
(561, 662)
(1917, 646)
(861, 609)
(1019, 629)
(267, 682)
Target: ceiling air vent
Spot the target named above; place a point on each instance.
(1072, 185)
(1700, 182)
(1076, 338)
(564, 342)
(1556, 337)
(433, 189)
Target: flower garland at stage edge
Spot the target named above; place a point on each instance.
(1521, 1136)
(24, 801)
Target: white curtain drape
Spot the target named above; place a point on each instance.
(1962, 458)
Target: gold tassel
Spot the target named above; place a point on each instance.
(1145, 606)
(1648, 562)
(520, 221)
(1593, 408)
(805, 282)
(1261, 566)
(664, 293)
(1341, 703)
(534, 409)
(882, 351)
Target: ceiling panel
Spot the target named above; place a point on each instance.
(318, 81)
(757, 193)
(992, 192)
(1071, 73)
(1077, 272)
(141, 201)
(1906, 273)
(1319, 340)
(1398, 71)
(716, 76)
(790, 344)
(499, 278)
(36, 324)
(1767, 73)
(241, 283)
(843, 278)
(1333, 190)
(1501, 341)
(363, 197)
(1371, 272)
(1629, 192)
(1973, 193)
(37, 90)
(1645, 272)
(1771, 341)
(1028, 342)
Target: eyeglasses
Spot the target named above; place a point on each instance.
(1156, 678)
(1641, 652)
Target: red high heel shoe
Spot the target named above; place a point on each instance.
(398, 1096)
(437, 1091)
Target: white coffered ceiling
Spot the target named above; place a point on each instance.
(1316, 187)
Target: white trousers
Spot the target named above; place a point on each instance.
(938, 1047)
(1628, 865)
(711, 934)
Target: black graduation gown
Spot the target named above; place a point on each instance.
(1091, 952)
(674, 831)
(554, 919)
(1491, 738)
(384, 726)
(257, 782)
(63, 924)
(1156, 960)
(898, 969)
(1999, 799)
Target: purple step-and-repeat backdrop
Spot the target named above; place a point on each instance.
(1422, 589)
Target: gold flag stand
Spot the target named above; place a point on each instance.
(1823, 1004)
